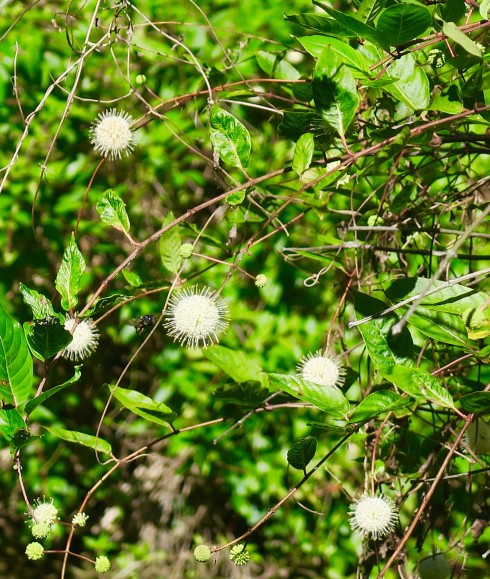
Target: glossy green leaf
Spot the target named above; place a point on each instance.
(94, 442)
(230, 138)
(132, 278)
(16, 372)
(443, 327)
(274, 67)
(319, 24)
(46, 337)
(369, 9)
(302, 452)
(384, 348)
(476, 402)
(170, 243)
(68, 278)
(330, 399)
(453, 10)
(411, 84)
(303, 153)
(419, 384)
(454, 33)
(21, 438)
(248, 394)
(335, 92)
(237, 198)
(40, 305)
(403, 22)
(238, 365)
(378, 403)
(484, 7)
(11, 421)
(296, 123)
(112, 211)
(35, 402)
(447, 101)
(316, 44)
(144, 406)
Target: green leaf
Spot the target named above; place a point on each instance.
(454, 10)
(369, 9)
(249, 394)
(476, 402)
(446, 328)
(296, 123)
(383, 347)
(484, 6)
(112, 211)
(419, 384)
(320, 24)
(327, 398)
(378, 403)
(16, 373)
(46, 337)
(11, 421)
(94, 442)
(132, 278)
(274, 67)
(335, 91)
(40, 305)
(170, 243)
(237, 198)
(68, 278)
(447, 101)
(302, 452)
(411, 84)
(403, 22)
(454, 33)
(143, 406)
(235, 363)
(230, 138)
(316, 44)
(22, 437)
(303, 153)
(35, 402)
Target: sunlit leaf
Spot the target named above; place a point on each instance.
(230, 138)
(112, 211)
(94, 442)
(170, 243)
(378, 403)
(68, 277)
(144, 406)
(403, 22)
(303, 153)
(237, 364)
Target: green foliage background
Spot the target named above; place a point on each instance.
(412, 186)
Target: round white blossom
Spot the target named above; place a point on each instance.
(322, 370)
(111, 134)
(196, 317)
(373, 516)
(44, 513)
(85, 339)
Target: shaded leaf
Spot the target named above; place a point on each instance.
(46, 337)
(235, 363)
(112, 211)
(21, 438)
(230, 138)
(369, 9)
(302, 452)
(170, 243)
(94, 442)
(327, 398)
(378, 403)
(68, 278)
(476, 402)
(11, 421)
(454, 10)
(144, 406)
(250, 394)
(403, 22)
(35, 402)
(303, 153)
(320, 24)
(16, 372)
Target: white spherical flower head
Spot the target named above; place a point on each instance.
(322, 370)
(373, 516)
(45, 513)
(111, 134)
(196, 318)
(85, 339)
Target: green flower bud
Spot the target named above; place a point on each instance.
(239, 555)
(186, 250)
(41, 530)
(261, 280)
(202, 553)
(34, 551)
(102, 564)
(140, 79)
(80, 519)
(436, 58)
(375, 220)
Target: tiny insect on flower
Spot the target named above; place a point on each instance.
(373, 515)
(322, 370)
(85, 339)
(196, 317)
(111, 134)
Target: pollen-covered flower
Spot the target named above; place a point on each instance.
(202, 553)
(196, 317)
(85, 339)
(373, 515)
(111, 134)
(80, 519)
(44, 513)
(34, 551)
(102, 564)
(322, 370)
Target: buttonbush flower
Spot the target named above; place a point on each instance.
(261, 280)
(41, 530)
(202, 553)
(186, 250)
(111, 134)
(196, 317)
(239, 555)
(102, 564)
(80, 519)
(45, 513)
(85, 339)
(34, 551)
(322, 370)
(373, 515)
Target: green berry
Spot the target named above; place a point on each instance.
(102, 564)
(186, 250)
(239, 555)
(261, 280)
(34, 551)
(202, 553)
